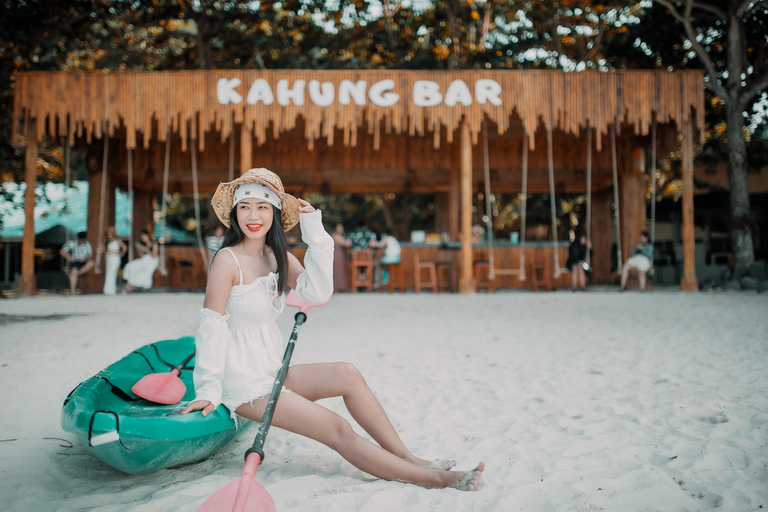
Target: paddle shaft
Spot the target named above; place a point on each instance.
(184, 362)
(266, 419)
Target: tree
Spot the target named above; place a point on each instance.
(729, 40)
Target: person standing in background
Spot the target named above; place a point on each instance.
(116, 249)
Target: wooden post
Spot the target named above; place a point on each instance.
(93, 282)
(27, 282)
(246, 147)
(689, 282)
(466, 284)
(454, 203)
(601, 236)
(143, 212)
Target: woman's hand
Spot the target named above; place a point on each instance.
(305, 207)
(204, 405)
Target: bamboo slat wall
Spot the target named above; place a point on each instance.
(150, 105)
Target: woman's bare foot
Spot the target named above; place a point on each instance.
(444, 464)
(467, 480)
(441, 464)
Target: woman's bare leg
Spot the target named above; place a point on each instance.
(625, 274)
(304, 417)
(326, 380)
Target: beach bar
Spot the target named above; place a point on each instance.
(454, 134)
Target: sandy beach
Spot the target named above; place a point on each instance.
(576, 402)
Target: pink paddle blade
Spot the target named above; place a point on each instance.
(242, 495)
(161, 388)
(293, 300)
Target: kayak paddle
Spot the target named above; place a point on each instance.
(163, 388)
(245, 493)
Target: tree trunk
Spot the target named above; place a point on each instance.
(740, 212)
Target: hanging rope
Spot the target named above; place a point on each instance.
(588, 228)
(196, 193)
(102, 204)
(488, 210)
(166, 172)
(68, 184)
(232, 154)
(130, 200)
(523, 207)
(653, 181)
(492, 270)
(619, 259)
(552, 207)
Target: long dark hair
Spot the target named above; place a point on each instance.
(275, 241)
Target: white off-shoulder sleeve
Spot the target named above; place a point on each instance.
(316, 282)
(211, 342)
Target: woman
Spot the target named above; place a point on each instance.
(340, 247)
(577, 256)
(116, 248)
(641, 260)
(138, 273)
(239, 345)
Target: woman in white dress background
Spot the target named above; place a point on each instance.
(116, 249)
(138, 273)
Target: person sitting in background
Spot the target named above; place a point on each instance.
(391, 255)
(138, 273)
(340, 257)
(213, 242)
(79, 254)
(641, 260)
(577, 260)
(362, 238)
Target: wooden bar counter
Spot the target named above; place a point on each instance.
(187, 270)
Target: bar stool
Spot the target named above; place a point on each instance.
(445, 275)
(540, 275)
(362, 270)
(418, 267)
(395, 271)
(481, 268)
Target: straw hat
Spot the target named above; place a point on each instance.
(222, 199)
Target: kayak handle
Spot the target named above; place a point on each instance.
(113, 435)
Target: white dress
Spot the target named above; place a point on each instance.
(240, 353)
(112, 265)
(138, 273)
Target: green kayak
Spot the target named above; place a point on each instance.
(137, 436)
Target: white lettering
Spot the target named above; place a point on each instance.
(349, 90)
(488, 90)
(260, 91)
(285, 94)
(426, 93)
(321, 94)
(458, 92)
(381, 98)
(225, 91)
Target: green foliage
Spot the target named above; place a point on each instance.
(134, 35)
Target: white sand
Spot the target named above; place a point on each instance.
(576, 402)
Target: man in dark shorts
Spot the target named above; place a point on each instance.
(79, 254)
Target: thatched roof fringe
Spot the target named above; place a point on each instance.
(185, 102)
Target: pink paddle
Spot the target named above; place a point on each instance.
(246, 494)
(163, 388)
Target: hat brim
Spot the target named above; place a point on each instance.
(223, 197)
